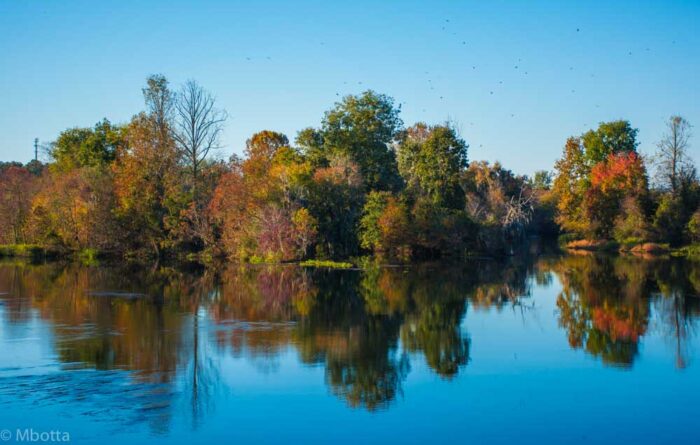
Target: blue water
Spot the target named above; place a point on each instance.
(541, 350)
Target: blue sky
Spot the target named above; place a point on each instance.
(516, 77)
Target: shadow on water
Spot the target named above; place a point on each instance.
(138, 344)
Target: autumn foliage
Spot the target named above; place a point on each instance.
(621, 172)
(360, 183)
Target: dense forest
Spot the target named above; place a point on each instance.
(361, 183)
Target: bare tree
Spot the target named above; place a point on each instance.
(518, 213)
(674, 167)
(198, 126)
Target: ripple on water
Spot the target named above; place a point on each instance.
(116, 397)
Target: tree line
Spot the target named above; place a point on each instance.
(602, 188)
(360, 183)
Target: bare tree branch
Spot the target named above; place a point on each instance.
(674, 169)
(198, 126)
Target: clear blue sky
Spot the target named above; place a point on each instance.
(279, 66)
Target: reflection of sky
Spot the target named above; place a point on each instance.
(523, 384)
(26, 347)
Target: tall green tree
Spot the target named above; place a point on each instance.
(609, 138)
(541, 180)
(362, 128)
(86, 147)
(431, 161)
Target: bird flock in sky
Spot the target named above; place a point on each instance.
(492, 91)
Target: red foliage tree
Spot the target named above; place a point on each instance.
(621, 177)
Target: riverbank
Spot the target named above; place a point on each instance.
(37, 252)
(691, 251)
(34, 252)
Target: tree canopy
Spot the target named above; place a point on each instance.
(360, 183)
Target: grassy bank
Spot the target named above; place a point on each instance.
(691, 252)
(26, 251)
(327, 264)
(37, 252)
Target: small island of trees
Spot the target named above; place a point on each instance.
(361, 183)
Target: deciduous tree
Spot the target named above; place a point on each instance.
(361, 128)
(431, 161)
(148, 178)
(620, 177)
(86, 147)
(674, 167)
(609, 138)
(17, 189)
(197, 129)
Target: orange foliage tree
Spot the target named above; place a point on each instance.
(257, 205)
(618, 183)
(73, 210)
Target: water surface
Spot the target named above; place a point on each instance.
(570, 349)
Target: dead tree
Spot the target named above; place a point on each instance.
(198, 126)
(674, 168)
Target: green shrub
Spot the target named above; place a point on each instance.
(693, 227)
(22, 250)
(89, 257)
(630, 242)
(691, 252)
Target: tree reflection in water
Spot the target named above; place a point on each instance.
(605, 303)
(168, 327)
